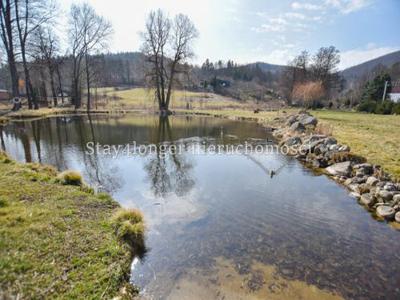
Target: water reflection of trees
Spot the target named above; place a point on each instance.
(168, 172)
(98, 171)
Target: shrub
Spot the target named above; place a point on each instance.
(367, 106)
(384, 108)
(396, 108)
(129, 227)
(70, 177)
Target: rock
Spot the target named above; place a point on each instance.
(292, 141)
(297, 127)
(334, 147)
(355, 195)
(372, 181)
(330, 141)
(319, 162)
(364, 168)
(367, 199)
(307, 120)
(320, 149)
(348, 181)
(344, 148)
(291, 120)
(354, 187)
(390, 186)
(342, 168)
(396, 199)
(385, 211)
(364, 188)
(385, 195)
(397, 217)
(359, 179)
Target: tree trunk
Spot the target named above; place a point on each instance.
(87, 82)
(8, 40)
(52, 87)
(60, 83)
(13, 74)
(32, 100)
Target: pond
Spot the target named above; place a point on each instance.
(222, 225)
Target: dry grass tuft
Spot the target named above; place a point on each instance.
(70, 177)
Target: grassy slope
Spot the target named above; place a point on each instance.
(56, 241)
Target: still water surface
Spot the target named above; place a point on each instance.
(220, 226)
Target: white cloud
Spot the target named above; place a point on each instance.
(357, 56)
(348, 6)
(293, 15)
(344, 6)
(278, 24)
(306, 6)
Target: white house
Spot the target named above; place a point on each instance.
(394, 95)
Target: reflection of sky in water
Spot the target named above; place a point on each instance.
(202, 207)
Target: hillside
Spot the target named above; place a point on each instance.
(359, 70)
(266, 67)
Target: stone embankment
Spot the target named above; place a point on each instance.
(366, 182)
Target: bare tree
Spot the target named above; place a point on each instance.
(47, 47)
(88, 33)
(324, 67)
(29, 16)
(167, 45)
(8, 37)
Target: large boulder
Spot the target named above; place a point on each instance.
(372, 181)
(385, 195)
(340, 169)
(396, 199)
(385, 211)
(291, 119)
(397, 217)
(390, 186)
(367, 199)
(307, 120)
(297, 127)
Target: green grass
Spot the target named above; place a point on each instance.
(141, 98)
(375, 137)
(57, 241)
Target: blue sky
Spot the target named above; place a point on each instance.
(266, 30)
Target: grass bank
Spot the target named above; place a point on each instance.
(375, 137)
(57, 241)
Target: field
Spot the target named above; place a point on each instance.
(56, 241)
(376, 137)
(140, 98)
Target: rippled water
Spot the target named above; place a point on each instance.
(219, 225)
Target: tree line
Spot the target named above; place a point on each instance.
(31, 43)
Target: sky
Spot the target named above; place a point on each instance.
(263, 30)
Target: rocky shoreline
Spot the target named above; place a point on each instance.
(366, 182)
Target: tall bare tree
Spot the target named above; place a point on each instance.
(88, 33)
(29, 16)
(167, 45)
(8, 37)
